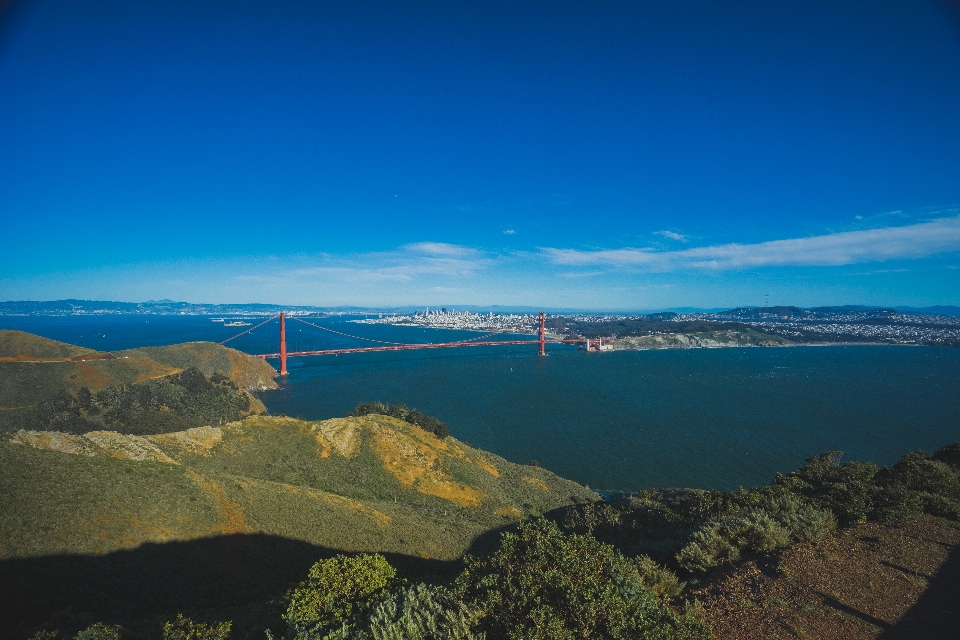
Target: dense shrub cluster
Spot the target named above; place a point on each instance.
(858, 492)
(184, 628)
(544, 584)
(779, 519)
(401, 412)
(173, 403)
(360, 598)
(701, 529)
(539, 584)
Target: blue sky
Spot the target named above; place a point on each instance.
(606, 155)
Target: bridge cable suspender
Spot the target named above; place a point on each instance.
(250, 329)
(347, 335)
(340, 333)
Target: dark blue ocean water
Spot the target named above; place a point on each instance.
(712, 418)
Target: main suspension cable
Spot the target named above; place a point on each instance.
(347, 335)
(250, 329)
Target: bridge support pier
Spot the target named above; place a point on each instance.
(542, 337)
(283, 346)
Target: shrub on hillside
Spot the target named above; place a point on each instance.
(949, 455)
(658, 579)
(401, 412)
(369, 408)
(918, 471)
(543, 584)
(336, 594)
(184, 628)
(421, 612)
(60, 413)
(940, 506)
(776, 519)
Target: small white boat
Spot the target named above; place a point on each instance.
(237, 323)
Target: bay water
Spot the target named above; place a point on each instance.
(615, 421)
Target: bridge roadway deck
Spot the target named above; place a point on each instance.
(411, 347)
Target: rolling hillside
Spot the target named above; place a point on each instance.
(141, 526)
(34, 369)
(372, 483)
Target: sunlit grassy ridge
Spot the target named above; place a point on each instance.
(371, 483)
(20, 345)
(33, 368)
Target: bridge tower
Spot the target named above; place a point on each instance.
(542, 337)
(283, 346)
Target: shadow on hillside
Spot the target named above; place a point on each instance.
(157, 580)
(936, 614)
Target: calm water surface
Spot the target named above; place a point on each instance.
(712, 418)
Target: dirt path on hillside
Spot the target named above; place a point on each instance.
(889, 582)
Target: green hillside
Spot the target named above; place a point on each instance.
(20, 345)
(34, 369)
(372, 483)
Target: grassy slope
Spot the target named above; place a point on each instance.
(20, 345)
(399, 489)
(33, 368)
(248, 372)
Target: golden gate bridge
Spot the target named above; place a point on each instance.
(384, 345)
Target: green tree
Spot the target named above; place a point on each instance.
(100, 631)
(336, 593)
(184, 628)
(422, 612)
(543, 584)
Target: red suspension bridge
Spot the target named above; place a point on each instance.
(383, 345)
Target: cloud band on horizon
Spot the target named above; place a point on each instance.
(835, 249)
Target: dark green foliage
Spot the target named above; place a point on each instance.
(656, 522)
(186, 629)
(192, 380)
(940, 506)
(85, 399)
(401, 412)
(336, 594)
(949, 455)
(919, 472)
(421, 612)
(857, 492)
(368, 408)
(541, 583)
(101, 631)
(164, 405)
(658, 579)
(895, 502)
(60, 413)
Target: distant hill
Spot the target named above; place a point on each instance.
(938, 310)
(33, 368)
(159, 307)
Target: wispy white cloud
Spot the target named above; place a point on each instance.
(407, 264)
(439, 249)
(834, 249)
(672, 235)
(508, 232)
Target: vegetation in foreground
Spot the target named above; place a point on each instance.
(599, 570)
